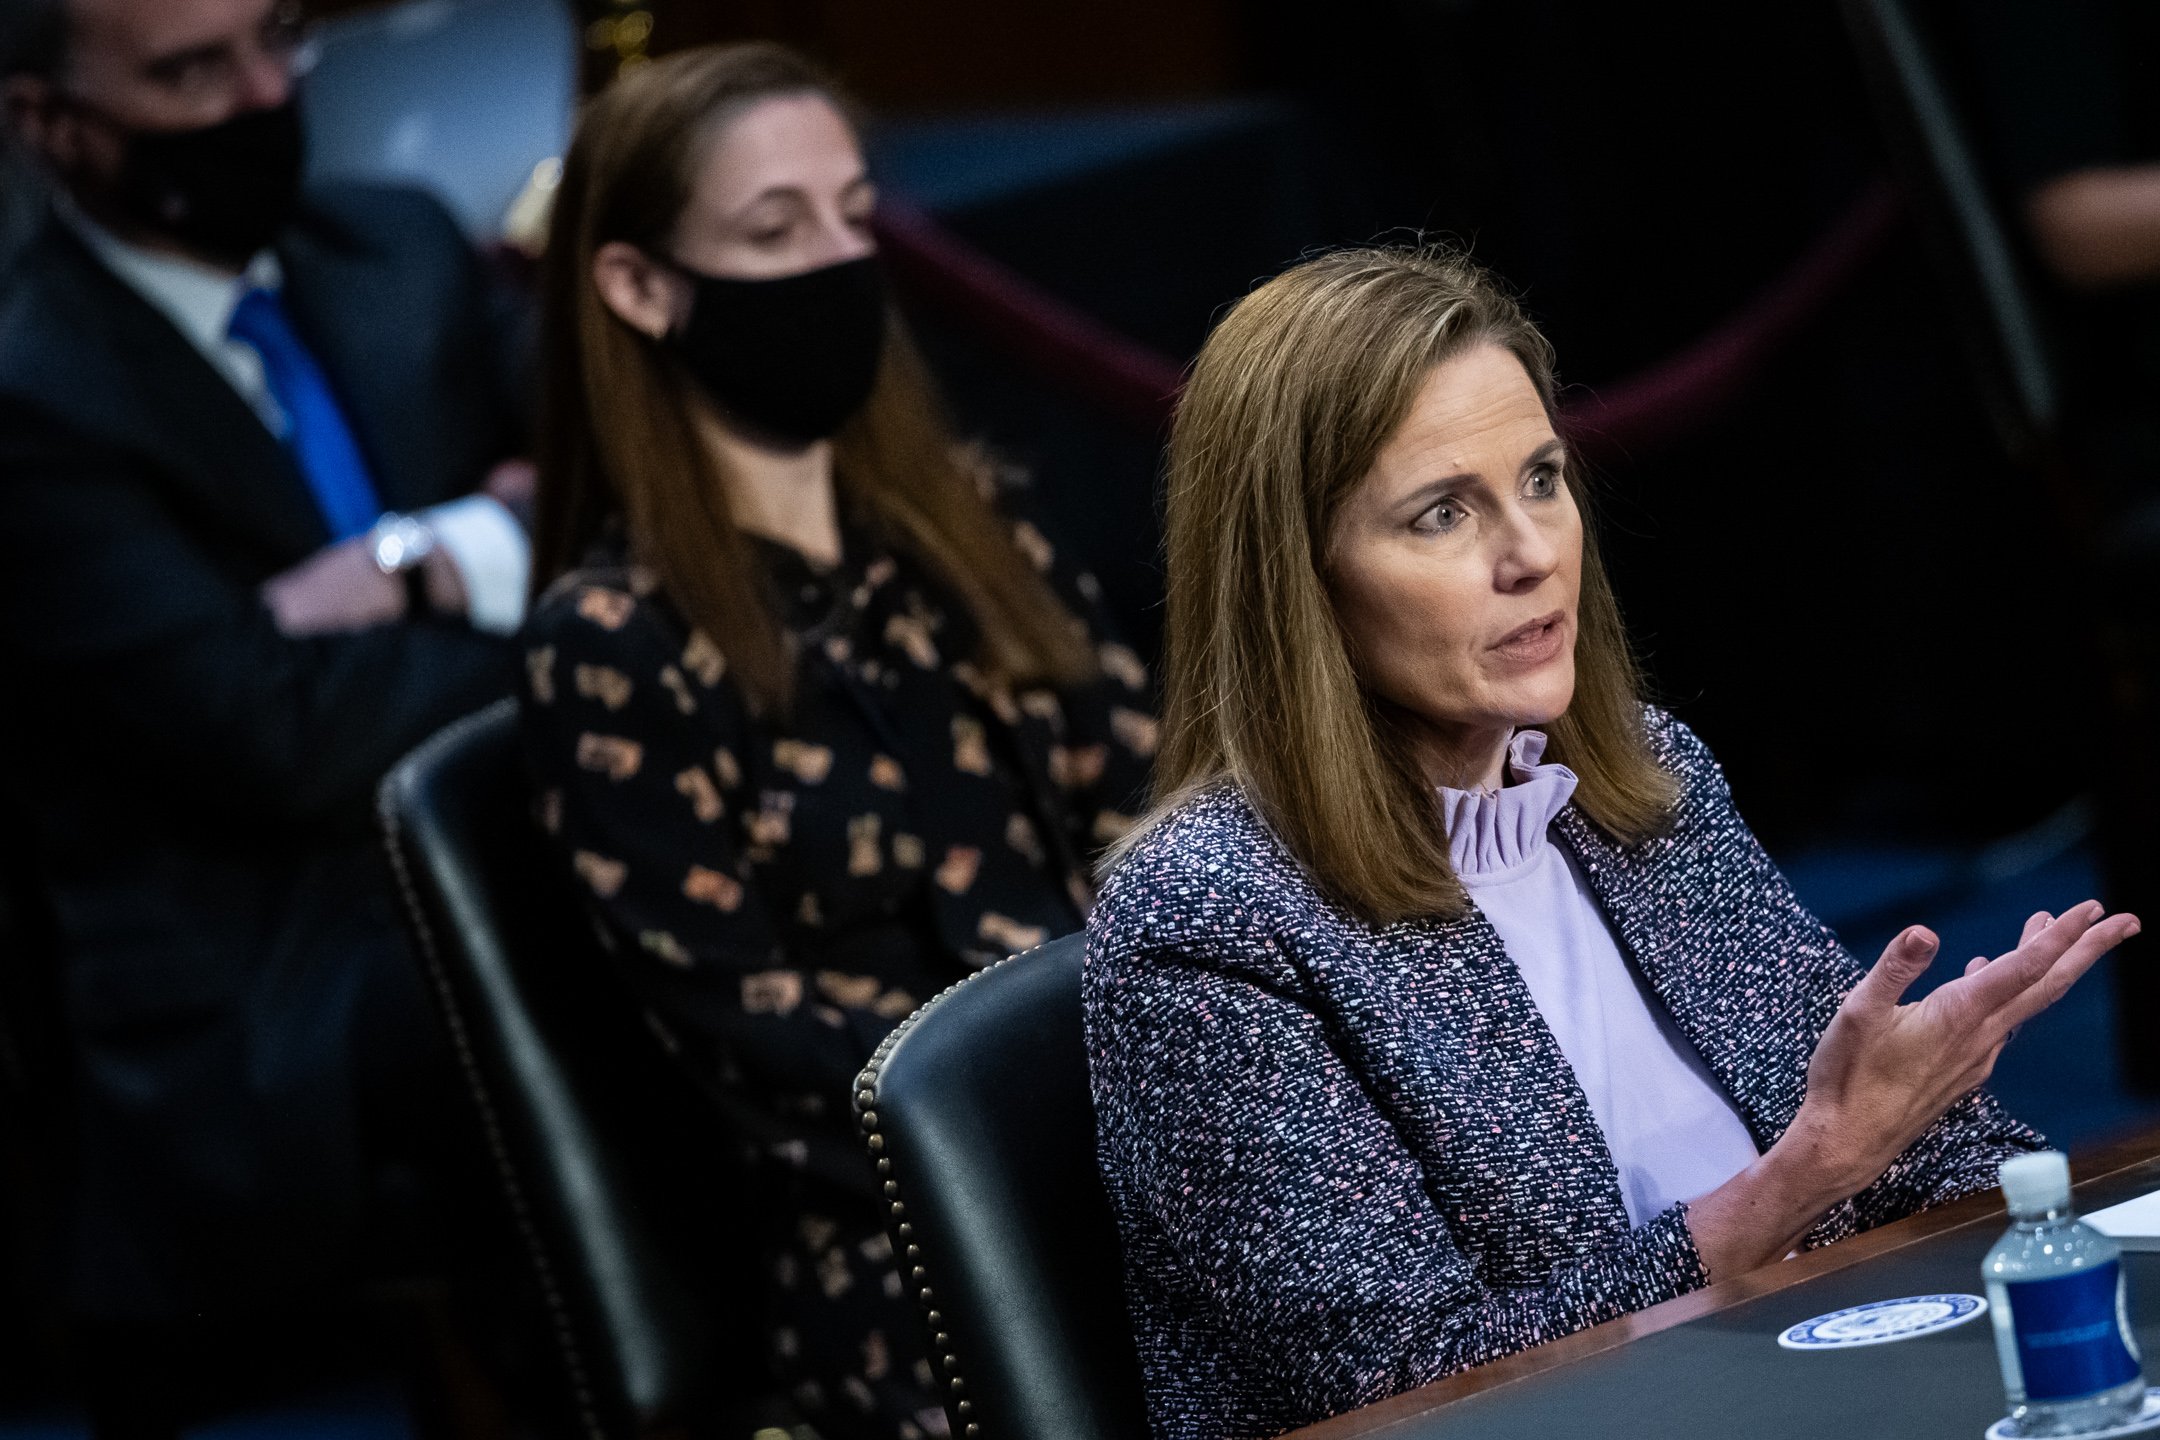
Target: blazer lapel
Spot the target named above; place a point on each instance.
(1679, 936)
(1458, 975)
(111, 366)
(1685, 936)
(348, 302)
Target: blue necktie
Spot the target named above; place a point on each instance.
(315, 428)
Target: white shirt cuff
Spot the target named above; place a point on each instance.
(493, 558)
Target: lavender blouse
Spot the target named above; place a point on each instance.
(1672, 1132)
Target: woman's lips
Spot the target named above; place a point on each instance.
(1535, 643)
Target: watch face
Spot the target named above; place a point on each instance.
(401, 542)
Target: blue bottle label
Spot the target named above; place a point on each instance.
(2073, 1338)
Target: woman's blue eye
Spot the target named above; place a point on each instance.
(1443, 517)
(1544, 482)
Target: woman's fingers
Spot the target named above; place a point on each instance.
(2064, 973)
(1903, 961)
(2003, 981)
(2038, 921)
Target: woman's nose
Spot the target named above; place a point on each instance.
(839, 240)
(1529, 555)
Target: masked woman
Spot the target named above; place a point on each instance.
(817, 728)
(1445, 1005)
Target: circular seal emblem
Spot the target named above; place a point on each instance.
(1880, 1321)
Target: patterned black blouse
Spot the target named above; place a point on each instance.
(782, 896)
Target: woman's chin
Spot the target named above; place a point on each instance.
(1537, 705)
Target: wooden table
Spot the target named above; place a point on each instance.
(1708, 1364)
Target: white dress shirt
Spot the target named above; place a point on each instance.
(490, 549)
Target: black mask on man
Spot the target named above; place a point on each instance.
(223, 189)
(794, 358)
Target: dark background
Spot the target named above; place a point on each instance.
(1839, 580)
(1883, 625)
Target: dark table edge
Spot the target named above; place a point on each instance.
(2096, 1166)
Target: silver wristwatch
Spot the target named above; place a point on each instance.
(399, 543)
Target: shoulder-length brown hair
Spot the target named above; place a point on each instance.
(619, 432)
(1290, 403)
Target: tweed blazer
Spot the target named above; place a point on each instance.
(1346, 1161)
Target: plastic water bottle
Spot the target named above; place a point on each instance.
(2062, 1324)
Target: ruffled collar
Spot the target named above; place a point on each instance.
(1491, 832)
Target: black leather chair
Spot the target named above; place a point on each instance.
(618, 1179)
(977, 1113)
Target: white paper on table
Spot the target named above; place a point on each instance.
(2134, 1224)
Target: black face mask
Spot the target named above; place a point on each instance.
(224, 189)
(793, 358)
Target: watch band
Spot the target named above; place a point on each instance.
(399, 545)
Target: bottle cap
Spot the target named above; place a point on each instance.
(2037, 1182)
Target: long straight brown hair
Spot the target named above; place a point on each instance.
(619, 434)
(1290, 403)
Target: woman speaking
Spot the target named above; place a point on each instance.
(1444, 1005)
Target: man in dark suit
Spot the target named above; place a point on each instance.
(253, 490)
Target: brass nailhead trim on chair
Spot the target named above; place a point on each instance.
(558, 1309)
(918, 1273)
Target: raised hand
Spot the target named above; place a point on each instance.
(1884, 1071)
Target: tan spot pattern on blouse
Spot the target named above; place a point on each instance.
(540, 673)
(710, 887)
(1075, 767)
(1137, 732)
(608, 609)
(971, 745)
(697, 787)
(864, 855)
(603, 683)
(703, 659)
(1035, 545)
(1110, 826)
(912, 634)
(1123, 665)
(897, 826)
(605, 876)
(856, 992)
(1014, 936)
(1020, 833)
(772, 992)
(774, 822)
(677, 686)
(666, 946)
(610, 755)
(807, 763)
(957, 871)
